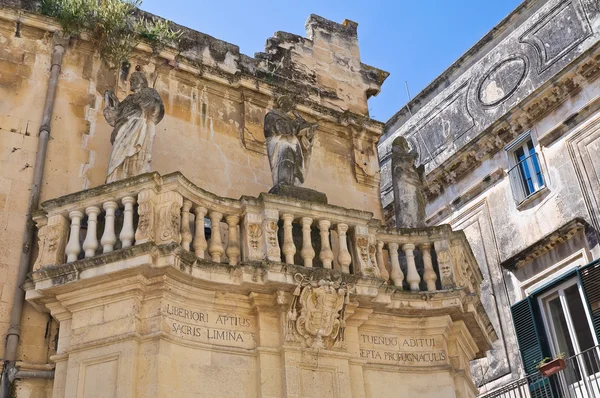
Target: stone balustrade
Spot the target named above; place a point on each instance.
(171, 210)
(427, 259)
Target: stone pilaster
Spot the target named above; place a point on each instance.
(168, 215)
(270, 229)
(52, 238)
(253, 243)
(145, 228)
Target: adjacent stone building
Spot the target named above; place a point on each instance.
(200, 277)
(508, 138)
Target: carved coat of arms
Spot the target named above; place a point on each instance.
(316, 315)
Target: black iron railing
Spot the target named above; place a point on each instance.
(579, 379)
(526, 177)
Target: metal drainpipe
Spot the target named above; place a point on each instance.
(14, 331)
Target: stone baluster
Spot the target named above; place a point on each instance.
(215, 249)
(90, 244)
(383, 272)
(127, 232)
(288, 249)
(233, 246)
(109, 238)
(397, 274)
(326, 254)
(307, 252)
(73, 246)
(429, 275)
(186, 234)
(412, 275)
(200, 244)
(344, 257)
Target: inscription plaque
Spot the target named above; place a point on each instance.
(402, 350)
(209, 326)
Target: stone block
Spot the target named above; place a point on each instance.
(301, 193)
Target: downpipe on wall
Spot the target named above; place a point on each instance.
(9, 371)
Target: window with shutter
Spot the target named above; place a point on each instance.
(525, 172)
(532, 343)
(590, 281)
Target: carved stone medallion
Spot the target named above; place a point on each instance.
(316, 315)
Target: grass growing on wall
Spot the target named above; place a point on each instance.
(113, 25)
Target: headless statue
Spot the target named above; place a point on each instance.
(409, 183)
(290, 139)
(134, 121)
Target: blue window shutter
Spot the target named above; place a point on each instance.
(590, 280)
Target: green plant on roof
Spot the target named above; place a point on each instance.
(112, 25)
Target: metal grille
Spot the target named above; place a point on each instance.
(580, 379)
(526, 177)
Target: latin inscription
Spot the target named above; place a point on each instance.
(210, 327)
(398, 350)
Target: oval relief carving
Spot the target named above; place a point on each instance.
(502, 81)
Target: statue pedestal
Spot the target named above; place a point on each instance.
(307, 194)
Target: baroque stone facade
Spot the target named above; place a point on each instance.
(530, 83)
(193, 279)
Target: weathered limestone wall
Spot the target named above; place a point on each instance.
(534, 75)
(499, 231)
(212, 130)
(24, 65)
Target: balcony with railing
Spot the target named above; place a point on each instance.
(159, 221)
(579, 379)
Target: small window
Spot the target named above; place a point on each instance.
(525, 172)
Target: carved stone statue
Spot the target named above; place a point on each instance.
(290, 139)
(134, 121)
(408, 182)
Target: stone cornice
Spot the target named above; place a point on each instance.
(226, 66)
(545, 244)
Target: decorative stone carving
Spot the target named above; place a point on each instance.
(316, 315)
(145, 228)
(409, 185)
(502, 80)
(448, 121)
(289, 143)
(169, 218)
(365, 253)
(254, 233)
(134, 121)
(466, 277)
(444, 257)
(557, 33)
(366, 161)
(52, 239)
(270, 229)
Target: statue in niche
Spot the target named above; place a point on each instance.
(134, 121)
(290, 139)
(408, 182)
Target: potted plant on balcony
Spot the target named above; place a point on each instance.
(548, 366)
